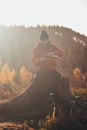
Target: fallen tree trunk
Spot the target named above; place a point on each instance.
(33, 103)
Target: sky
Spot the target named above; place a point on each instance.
(67, 13)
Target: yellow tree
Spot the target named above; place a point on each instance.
(25, 76)
(77, 73)
(79, 78)
(6, 74)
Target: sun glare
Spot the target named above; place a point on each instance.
(71, 14)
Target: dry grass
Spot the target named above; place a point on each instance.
(81, 92)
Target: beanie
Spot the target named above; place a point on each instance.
(44, 35)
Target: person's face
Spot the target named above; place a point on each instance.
(44, 41)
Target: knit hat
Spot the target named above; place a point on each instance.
(44, 35)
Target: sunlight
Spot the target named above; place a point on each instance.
(55, 12)
(15, 12)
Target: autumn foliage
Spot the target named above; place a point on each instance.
(9, 86)
(79, 87)
(25, 76)
(6, 74)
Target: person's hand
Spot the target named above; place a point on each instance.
(43, 58)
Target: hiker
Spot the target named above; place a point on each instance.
(46, 54)
(45, 58)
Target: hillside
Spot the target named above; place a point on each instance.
(17, 43)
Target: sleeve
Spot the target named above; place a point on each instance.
(35, 57)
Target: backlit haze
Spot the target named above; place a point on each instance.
(67, 13)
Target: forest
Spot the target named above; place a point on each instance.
(17, 69)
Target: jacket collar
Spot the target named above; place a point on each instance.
(46, 45)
